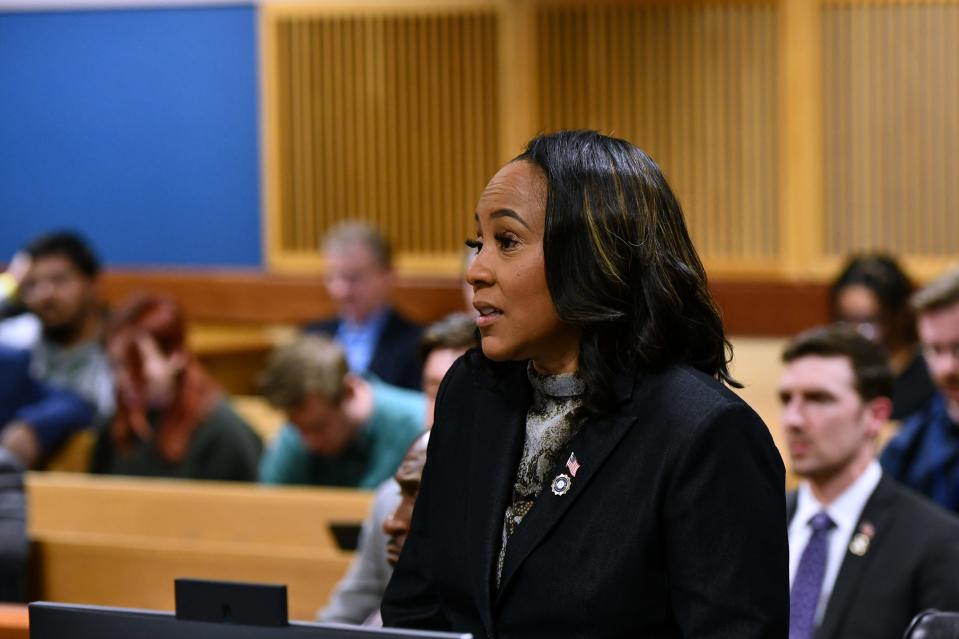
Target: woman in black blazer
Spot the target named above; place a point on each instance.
(589, 475)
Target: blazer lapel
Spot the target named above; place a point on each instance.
(876, 515)
(498, 441)
(592, 445)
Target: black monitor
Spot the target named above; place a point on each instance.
(69, 621)
(204, 610)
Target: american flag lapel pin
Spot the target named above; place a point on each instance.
(572, 464)
(563, 482)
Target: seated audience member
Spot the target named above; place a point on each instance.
(10, 280)
(872, 294)
(171, 420)
(865, 553)
(63, 327)
(925, 453)
(357, 596)
(397, 524)
(48, 413)
(345, 430)
(375, 338)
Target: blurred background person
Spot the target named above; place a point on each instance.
(48, 414)
(344, 429)
(357, 596)
(64, 325)
(359, 276)
(172, 420)
(865, 554)
(924, 455)
(872, 295)
(10, 279)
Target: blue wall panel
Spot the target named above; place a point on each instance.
(139, 127)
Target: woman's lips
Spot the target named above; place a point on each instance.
(490, 318)
(487, 314)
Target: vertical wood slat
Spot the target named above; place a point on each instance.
(368, 100)
(672, 78)
(891, 129)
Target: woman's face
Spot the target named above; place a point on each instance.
(517, 317)
(858, 306)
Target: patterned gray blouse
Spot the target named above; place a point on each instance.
(550, 424)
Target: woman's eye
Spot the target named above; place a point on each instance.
(475, 245)
(506, 242)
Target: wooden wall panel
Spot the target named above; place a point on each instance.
(385, 115)
(793, 131)
(891, 132)
(692, 84)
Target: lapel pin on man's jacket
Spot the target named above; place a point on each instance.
(859, 545)
(563, 482)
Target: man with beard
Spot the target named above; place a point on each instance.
(925, 453)
(59, 290)
(865, 554)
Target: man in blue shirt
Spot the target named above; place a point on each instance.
(374, 337)
(345, 429)
(925, 453)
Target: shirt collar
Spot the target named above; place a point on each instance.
(373, 324)
(847, 508)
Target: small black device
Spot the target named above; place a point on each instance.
(231, 602)
(347, 536)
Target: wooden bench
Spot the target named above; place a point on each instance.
(14, 621)
(121, 541)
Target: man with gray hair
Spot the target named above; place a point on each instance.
(925, 453)
(345, 429)
(358, 272)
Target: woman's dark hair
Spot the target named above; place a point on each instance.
(882, 275)
(620, 264)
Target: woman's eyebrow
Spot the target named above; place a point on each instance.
(508, 213)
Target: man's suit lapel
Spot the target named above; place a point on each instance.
(381, 356)
(592, 445)
(500, 428)
(876, 517)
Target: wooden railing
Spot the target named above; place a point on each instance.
(122, 541)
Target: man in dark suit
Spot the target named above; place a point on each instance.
(375, 337)
(866, 554)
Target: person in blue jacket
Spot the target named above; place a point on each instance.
(52, 414)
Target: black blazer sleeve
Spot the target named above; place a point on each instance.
(729, 479)
(410, 600)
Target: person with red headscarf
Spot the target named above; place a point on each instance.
(171, 420)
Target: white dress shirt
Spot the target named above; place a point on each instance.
(844, 512)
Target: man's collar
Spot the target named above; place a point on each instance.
(846, 509)
(374, 322)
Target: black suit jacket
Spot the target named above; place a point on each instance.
(912, 564)
(396, 358)
(674, 525)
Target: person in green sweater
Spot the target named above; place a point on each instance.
(345, 429)
(172, 420)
